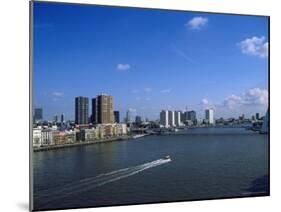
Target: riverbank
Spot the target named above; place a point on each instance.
(82, 143)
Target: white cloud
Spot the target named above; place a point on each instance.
(123, 67)
(204, 101)
(256, 46)
(166, 90)
(197, 23)
(206, 104)
(232, 101)
(254, 96)
(147, 90)
(57, 94)
(135, 91)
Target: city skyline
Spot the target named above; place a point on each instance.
(156, 60)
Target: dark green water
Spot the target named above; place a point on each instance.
(206, 163)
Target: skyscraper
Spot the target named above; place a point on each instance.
(56, 118)
(191, 115)
(138, 120)
(171, 118)
(178, 121)
(257, 116)
(117, 116)
(62, 118)
(164, 119)
(130, 115)
(102, 109)
(38, 114)
(209, 116)
(81, 110)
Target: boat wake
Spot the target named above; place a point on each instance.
(83, 185)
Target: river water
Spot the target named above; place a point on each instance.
(205, 163)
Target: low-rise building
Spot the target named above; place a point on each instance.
(37, 137)
(47, 137)
(91, 134)
(70, 137)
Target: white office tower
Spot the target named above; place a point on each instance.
(130, 115)
(171, 118)
(164, 120)
(178, 118)
(209, 116)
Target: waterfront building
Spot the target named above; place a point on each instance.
(209, 116)
(116, 116)
(100, 131)
(164, 118)
(81, 110)
(121, 129)
(70, 137)
(80, 135)
(102, 109)
(178, 121)
(38, 115)
(91, 134)
(37, 137)
(58, 137)
(171, 118)
(47, 137)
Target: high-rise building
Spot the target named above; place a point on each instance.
(38, 114)
(171, 115)
(102, 109)
(209, 116)
(138, 120)
(257, 116)
(265, 124)
(130, 115)
(62, 118)
(164, 118)
(191, 115)
(56, 118)
(81, 110)
(117, 116)
(177, 115)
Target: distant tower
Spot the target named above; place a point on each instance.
(38, 114)
(209, 116)
(130, 114)
(171, 115)
(62, 118)
(178, 118)
(164, 119)
(265, 124)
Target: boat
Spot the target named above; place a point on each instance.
(167, 157)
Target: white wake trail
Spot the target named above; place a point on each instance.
(49, 195)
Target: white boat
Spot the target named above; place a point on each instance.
(167, 157)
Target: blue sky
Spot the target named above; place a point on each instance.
(149, 60)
